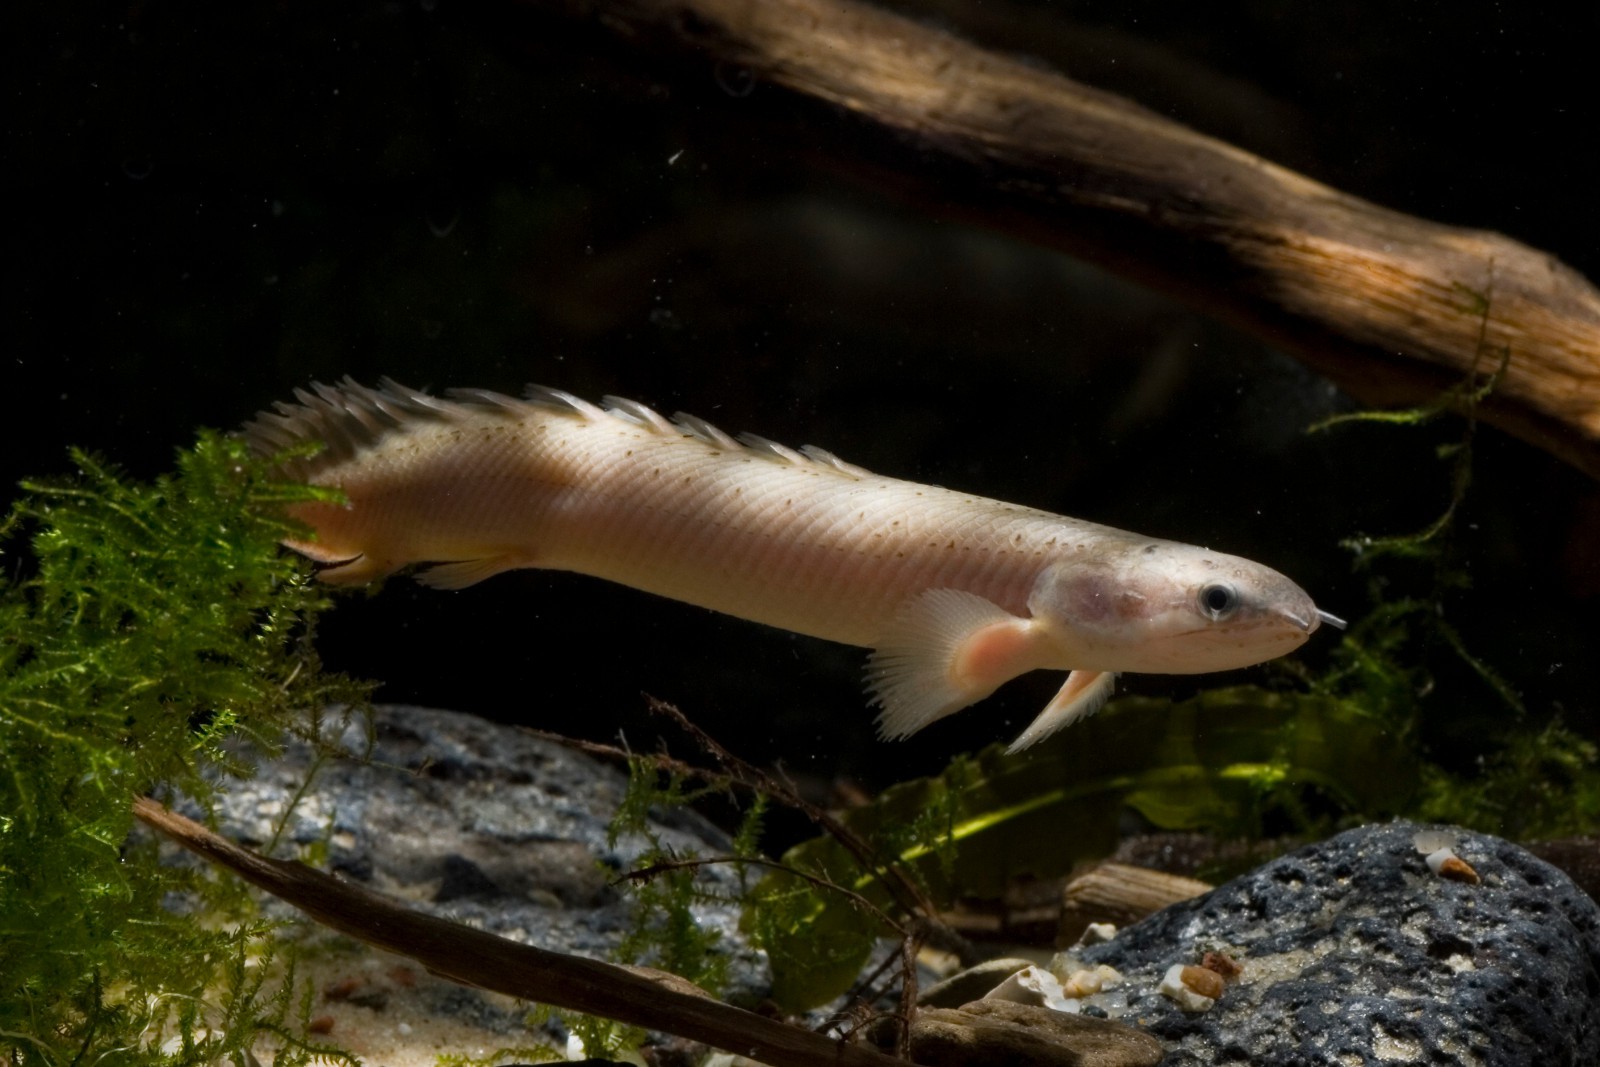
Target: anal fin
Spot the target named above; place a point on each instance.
(1084, 693)
(462, 573)
(946, 649)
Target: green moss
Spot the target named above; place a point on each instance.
(499, 1056)
(142, 626)
(602, 1038)
(1540, 782)
(1509, 767)
(667, 884)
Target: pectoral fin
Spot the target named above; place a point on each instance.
(467, 572)
(946, 649)
(1085, 693)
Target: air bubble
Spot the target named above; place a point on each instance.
(442, 219)
(736, 81)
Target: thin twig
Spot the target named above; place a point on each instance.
(908, 994)
(908, 894)
(662, 867)
(600, 750)
(738, 772)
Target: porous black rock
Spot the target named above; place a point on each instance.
(1355, 954)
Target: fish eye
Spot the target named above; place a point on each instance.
(1218, 600)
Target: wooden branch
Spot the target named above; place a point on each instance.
(640, 996)
(1120, 894)
(1393, 308)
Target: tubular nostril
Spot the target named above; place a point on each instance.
(1332, 620)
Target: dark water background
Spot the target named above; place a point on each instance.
(209, 205)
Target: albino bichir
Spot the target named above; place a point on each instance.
(955, 594)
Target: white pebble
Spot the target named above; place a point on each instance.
(1439, 857)
(1089, 981)
(1095, 933)
(1426, 841)
(1172, 987)
(1035, 986)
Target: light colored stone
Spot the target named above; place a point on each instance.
(974, 983)
(1174, 988)
(1032, 985)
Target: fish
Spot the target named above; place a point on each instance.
(954, 594)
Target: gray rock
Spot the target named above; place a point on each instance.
(1355, 955)
(480, 823)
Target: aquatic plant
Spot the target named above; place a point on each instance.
(145, 630)
(1526, 775)
(147, 627)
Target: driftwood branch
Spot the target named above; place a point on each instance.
(1119, 894)
(1393, 308)
(639, 996)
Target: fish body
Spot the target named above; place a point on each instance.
(955, 593)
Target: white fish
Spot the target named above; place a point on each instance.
(956, 594)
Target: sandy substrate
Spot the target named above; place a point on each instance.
(390, 1013)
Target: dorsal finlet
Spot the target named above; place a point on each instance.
(826, 458)
(772, 449)
(701, 430)
(644, 417)
(488, 398)
(349, 418)
(545, 396)
(634, 411)
(346, 418)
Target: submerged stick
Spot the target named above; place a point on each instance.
(1393, 308)
(640, 996)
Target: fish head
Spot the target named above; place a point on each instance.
(1167, 608)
